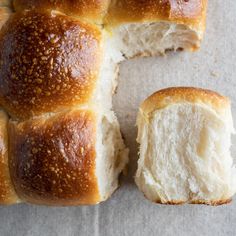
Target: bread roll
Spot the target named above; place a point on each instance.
(149, 28)
(68, 158)
(50, 62)
(185, 139)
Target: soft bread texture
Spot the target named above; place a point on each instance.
(151, 39)
(7, 192)
(149, 28)
(185, 139)
(58, 70)
(112, 155)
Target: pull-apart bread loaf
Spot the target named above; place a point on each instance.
(65, 147)
(185, 139)
(61, 143)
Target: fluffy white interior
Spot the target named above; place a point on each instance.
(185, 155)
(149, 39)
(112, 155)
(108, 75)
(138, 39)
(126, 41)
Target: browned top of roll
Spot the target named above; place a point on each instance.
(47, 61)
(91, 10)
(52, 160)
(7, 192)
(182, 11)
(174, 95)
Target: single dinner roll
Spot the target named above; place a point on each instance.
(68, 158)
(185, 139)
(49, 61)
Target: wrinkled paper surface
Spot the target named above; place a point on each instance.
(128, 212)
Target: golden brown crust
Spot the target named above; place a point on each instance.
(191, 12)
(170, 202)
(210, 203)
(90, 10)
(7, 192)
(169, 96)
(53, 159)
(47, 62)
(213, 203)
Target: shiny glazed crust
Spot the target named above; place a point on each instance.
(90, 10)
(52, 160)
(169, 96)
(191, 12)
(48, 62)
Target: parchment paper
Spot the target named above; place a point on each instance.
(128, 212)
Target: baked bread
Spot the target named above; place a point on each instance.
(70, 158)
(59, 58)
(65, 145)
(185, 139)
(58, 69)
(151, 27)
(93, 11)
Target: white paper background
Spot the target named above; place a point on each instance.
(127, 212)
